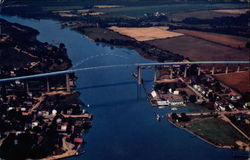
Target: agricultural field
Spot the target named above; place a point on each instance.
(232, 11)
(228, 40)
(239, 81)
(206, 14)
(146, 34)
(197, 49)
(138, 9)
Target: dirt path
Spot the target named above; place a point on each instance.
(226, 119)
(68, 147)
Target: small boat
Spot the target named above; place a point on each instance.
(158, 117)
(174, 109)
(134, 75)
(56, 41)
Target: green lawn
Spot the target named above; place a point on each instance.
(216, 131)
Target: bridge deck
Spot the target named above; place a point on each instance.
(119, 66)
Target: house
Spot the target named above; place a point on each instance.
(78, 140)
(34, 124)
(246, 105)
(63, 127)
(163, 103)
(221, 108)
(231, 106)
(176, 92)
(175, 102)
(154, 94)
(54, 112)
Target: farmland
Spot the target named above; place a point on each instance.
(239, 81)
(206, 14)
(146, 34)
(200, 50)
(232, 11)
(228, 40)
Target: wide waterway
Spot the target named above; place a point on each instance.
(124, 126)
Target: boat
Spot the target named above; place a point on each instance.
(134, 75)
(158, 117)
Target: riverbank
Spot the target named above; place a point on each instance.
(104, 35)
(37, 120)
(213, 128)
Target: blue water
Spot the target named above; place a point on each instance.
(124, 126)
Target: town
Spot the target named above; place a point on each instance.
(201, 88)
(39, 118)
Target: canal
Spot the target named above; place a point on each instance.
(124, 125)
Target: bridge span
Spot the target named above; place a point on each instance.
(138, 65)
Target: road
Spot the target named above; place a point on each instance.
(119, 66)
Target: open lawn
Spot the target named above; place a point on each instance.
(216, 131)
(146, 34)
(197, 49)
(239, 81)
(228, 40)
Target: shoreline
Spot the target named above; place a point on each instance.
(145, 50)
(238, 144)
(74, 117)
(203, 139)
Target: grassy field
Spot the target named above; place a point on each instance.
(146, 34)
(228, 40)
(101, 33)
(201, 14)
(140, 8)
(200, 50)
(216, 131)
(135, 8)
(239, 81)
(232, 11)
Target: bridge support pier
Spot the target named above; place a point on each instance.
(185, 72)
(171, 72)
(48, 86)
(226, 69)
(155, 76)
(67, 83)
(139, 80)
(27, 86)
(213, 70)
(199, 71)
(238, 68)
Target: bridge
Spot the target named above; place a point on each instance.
(139, 66)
